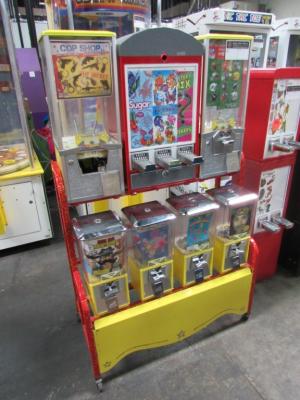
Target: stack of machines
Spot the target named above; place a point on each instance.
(270, 152)
(218, 20)
(24, 212)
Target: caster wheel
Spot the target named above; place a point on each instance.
(245, 317)
(99, 385)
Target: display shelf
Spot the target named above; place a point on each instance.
(172, 318)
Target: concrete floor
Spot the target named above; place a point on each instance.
(43, 353)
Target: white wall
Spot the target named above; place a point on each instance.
(284, 9)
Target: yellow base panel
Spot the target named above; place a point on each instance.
(221, 247)
(182, 261)
(171, 318)
(138, 275)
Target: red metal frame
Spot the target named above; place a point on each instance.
(123, 61)
(81, 300)
(253, 257)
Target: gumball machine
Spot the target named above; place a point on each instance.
(227, 66)
(233, 226)
(151, 248)
(160, 86)
(81, 84)
(193, 252)
(101, 241)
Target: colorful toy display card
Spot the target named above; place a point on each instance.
(82, 68)
(151, 244)
(103, 256)
(272, 190)
(161, 103)
(185, 106)
(224, 83)
(198, 229)
(240, 220)
(285, 107)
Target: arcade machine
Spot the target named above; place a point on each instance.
(24, 211)
(160, 92)
(270, 152)
(81, 84)
(193, 251)
(284, 47)
(233, 226)
(227, 65)
(102, 246)
(151, 248)
(121, 17)
(219, 20)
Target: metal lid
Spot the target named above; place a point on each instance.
(97, 225)
(160, 41)
(232, 195)
(192, 203)
(147, 214)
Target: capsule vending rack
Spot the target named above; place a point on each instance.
(122, 326)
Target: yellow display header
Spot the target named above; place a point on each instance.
(76, 33)
(224, 36)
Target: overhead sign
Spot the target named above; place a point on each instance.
(248, 18)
